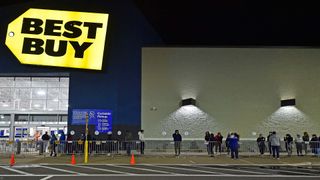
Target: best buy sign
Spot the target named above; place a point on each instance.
(58, 38)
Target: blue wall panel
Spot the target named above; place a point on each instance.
(118, 86)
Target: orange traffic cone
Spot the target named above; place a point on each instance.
(132, 161)
(73, 160)
(12, 161)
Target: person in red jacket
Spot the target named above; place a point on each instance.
(218, 139)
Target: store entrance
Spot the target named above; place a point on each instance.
(36, 132)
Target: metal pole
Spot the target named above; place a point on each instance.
(86, 141)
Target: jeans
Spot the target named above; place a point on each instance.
(234, 153)
(262, 147)
(299, 148)
(177, 147)
(275, 150)
(142, 147)
(128, 147)
(218, 147)
(210, 148)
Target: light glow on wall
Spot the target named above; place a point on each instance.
(185, 119)
(287, 119)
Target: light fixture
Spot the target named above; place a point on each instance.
(41, 93)
(288, 102)
(36, 105)
(189, 101)
(5, 105)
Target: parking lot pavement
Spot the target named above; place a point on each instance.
(157, 171)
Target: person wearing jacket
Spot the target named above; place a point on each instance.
(141, 139)
(314, 144)
(207, 141)
(218, 143)
(234, 145)
(261, 144)
(228, 143)
(288, 140)
(177, 142)
(299, 144)
(45, 140)
(62, 140)
(275, 144)
(269, 143)
(53, 145)
(306, 140)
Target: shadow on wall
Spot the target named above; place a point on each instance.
(288, 119)
(191, 121)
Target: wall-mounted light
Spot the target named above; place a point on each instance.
(288, 102)
(189, 101)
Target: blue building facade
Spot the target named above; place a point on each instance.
(117, 87)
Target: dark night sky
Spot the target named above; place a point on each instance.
(230, 22)
(234, 22)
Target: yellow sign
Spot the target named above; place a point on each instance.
(58, 38)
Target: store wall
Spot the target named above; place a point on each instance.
(236, 89)
(118, 86)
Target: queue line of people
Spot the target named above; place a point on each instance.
(301, 144)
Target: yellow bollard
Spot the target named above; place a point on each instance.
(86, 151)
(86, 141)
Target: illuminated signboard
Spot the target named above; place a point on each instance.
(100, 118)
(58, 38)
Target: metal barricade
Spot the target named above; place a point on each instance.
(112, 147)
(94, 147)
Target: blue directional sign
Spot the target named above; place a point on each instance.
(101, 118)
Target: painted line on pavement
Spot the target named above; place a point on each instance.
(186, 169)
(222, 164)
(143, 169)
(233, 170)
(105, 170)
(161, 175)
(46, 178)
(15, 170)
(63, 170)
(291, 171)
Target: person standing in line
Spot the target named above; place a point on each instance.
(234, 145)
(299, 144)
(37, 137)
(288, 140)
(261, 144)
(45, 138)
(62, 140)
(228, 143)
(128, 141)
(218, 139)
(70, 145)
(314, 144)
(269, 143)
(306, 140)
(212, 141)
(53, 145)
(141, 139)
(177, 142)
(207, 141)
(275, 144)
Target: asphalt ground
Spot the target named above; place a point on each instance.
(160, 166)
(158, 171)
(161, 159)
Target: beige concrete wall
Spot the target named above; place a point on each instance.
(237, 89)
